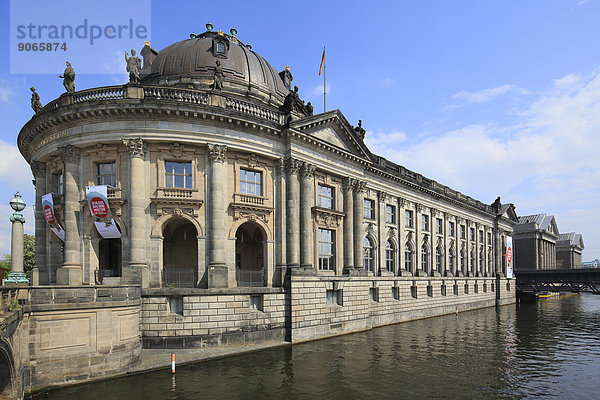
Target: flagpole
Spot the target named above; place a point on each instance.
(324, 86)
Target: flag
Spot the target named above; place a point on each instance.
(322, 61)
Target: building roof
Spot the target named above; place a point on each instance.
(570, 239)
(537, 222)
(192, 62)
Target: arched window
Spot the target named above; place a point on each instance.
(424, 257)
(473, 258)
(390, 256)
(481, 258)
(408, 257)
(439, 254)
(463, 260)
(368, 255)
(451, 260)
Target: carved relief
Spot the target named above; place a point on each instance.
(38, 169)
(176, 150)
(70, 154)
(308, 170)
(292, 165)
(252, 160)
(360, 186)
(348, 184)
(55, 164)
(391, 232)
(136, 147)
(217, 153)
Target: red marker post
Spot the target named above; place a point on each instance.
(173, 363)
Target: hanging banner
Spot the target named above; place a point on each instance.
(509, 257)
(100, 210)
(48, 209)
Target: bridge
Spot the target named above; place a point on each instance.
(559, 280)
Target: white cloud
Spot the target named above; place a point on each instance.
(6, 94)
(546, 161)
(582, 2)
(318, 90)
(14, 170)
(485, 95)
(387, 82)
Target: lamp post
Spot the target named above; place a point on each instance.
(16, 275)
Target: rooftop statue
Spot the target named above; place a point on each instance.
(35, 101)
(68, 78)
(134, 66)
(292, 102)
(218, 76)
(360, 130)
(496, 205)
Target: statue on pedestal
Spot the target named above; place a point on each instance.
(68, 78)
(134, 66)
(35, 101)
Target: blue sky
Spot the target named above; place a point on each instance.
(492, 98)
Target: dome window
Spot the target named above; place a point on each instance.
(220, 46)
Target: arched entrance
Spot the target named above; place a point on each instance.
(180, 254)
(250, 255)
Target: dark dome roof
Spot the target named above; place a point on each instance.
(192, 61)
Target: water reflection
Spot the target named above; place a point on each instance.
(544, 350)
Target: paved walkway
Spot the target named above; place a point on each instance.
(161, 358)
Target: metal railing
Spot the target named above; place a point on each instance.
(249, 277)
(179, 277)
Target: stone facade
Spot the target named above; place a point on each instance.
(242, 220)
(535, 242)
(568, 250)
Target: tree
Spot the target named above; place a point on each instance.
(28, 255)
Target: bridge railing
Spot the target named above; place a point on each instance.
(9, 298)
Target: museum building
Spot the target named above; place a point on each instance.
(237, 216)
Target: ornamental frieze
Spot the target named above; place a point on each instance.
(136, 147)
(70, 154)
(217, 153)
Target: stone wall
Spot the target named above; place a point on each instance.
(211, 317)
(366, 302)
(80, 333)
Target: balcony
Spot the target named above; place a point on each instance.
(177, 201)
(250, 206)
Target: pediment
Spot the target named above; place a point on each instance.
(333, 128)
(508, 211)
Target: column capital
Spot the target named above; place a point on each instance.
(401, 202)
(418, 207)
(292, 165)
(38, 168)
(382, 196)
(70, 154)
(308, 170)
(360, 186)
(217, 153)
(136, 147)
(348, 184)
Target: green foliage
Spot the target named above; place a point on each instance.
(28, 255)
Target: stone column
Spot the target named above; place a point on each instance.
(401, 237)
(16, 275)
(293, 212)
(306, 221)
(477, 250)
(39, 275)
(497, 249)
(70, 272)
(137, 270)
(280, 222)
(359, 215)
(418, 240)
(218, 276)
(348, 188)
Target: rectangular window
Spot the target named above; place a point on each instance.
(178, 174)
(451, 231)
(325, 197)
(425, 222)
(334, 297)
(462, 232)
(326, 249)
(58, 181)
(374, 294)
(489, 238)
(438, 226)
(409, 219)
(250, 182)
(107, 174)
(480, 236)
(471, 234)
(369, 209)
(396, 293)
(176, 305)
(390, 214)
(256, 302)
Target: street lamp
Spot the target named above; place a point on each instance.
(16, 275)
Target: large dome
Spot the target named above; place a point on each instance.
(191, 62)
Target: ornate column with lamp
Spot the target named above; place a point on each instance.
(17, 275)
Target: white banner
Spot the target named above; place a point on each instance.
(48, 210)
(509, 257)
(100, 210)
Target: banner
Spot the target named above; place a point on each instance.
(509, 257)
(48, 209)
(100, 210)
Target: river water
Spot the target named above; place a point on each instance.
(549, 349)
